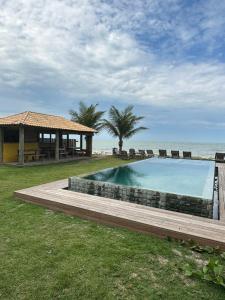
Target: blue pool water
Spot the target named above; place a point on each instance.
(179, 176)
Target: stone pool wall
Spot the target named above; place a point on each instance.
(179, 203)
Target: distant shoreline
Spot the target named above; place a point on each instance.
(204, 150)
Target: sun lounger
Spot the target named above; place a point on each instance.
(187, 154)
(142, 153)
(134, 154)
(115, 151)
(123, 154)
(220, 157)
(150, 153)
(162, 153)
(175, 154)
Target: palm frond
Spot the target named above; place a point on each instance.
(122, 124)
(134, 131)
(110, 127)
(88, 116)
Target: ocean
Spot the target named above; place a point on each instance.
(205, 150)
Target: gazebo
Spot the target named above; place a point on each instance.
(29, 136)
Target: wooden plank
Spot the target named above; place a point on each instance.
(163, 222)
(1, 144)
(132, 216)
(221, 183)
(136, 212)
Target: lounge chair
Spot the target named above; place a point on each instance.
(132, 153)
(115, 151)
(142, 153)
(162, 153)
(187, 154)
(123, 154)
(175, 154)
(149, 153)
(220, 157)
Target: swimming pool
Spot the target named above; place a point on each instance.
(173, 184)
(179, 176)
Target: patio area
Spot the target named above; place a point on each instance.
(140, 218)
(33, 138)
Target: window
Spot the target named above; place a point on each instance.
(47, 138)
(11, 135)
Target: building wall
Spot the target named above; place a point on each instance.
(11, 142)
(10, 150)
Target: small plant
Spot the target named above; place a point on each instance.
(206, 249)
(202, 249)
(213, 272)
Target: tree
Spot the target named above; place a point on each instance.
(122, 124)
(88, 116)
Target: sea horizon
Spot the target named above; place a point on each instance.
(202, 149)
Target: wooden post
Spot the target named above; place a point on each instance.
(81, 141)
(89, 145)
(1, 144)
(57, 145)
(61, 145)
(21, 145)
(67, 140)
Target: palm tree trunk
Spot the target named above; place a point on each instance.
(120, 145)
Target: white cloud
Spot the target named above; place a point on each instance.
(90, 48)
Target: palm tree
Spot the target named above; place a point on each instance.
(122, 124)
(88, 116)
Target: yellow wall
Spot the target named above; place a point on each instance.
(10, 150)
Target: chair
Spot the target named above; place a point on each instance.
(187, 154)
(63, 153)
(149, 153)
(80, 152)
(123, 154)
(115, 151)
(132, 153)
(39, 155)
(220, 157)
(142, 153)
(175, 154)
(162, 153)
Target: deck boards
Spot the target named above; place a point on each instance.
(221, 181)
(132, 216)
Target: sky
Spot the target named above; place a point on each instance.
(165, 57)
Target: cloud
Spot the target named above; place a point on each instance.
(133, 51)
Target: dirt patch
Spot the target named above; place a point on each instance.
(197, 258)
(177, 252)
(162, 260)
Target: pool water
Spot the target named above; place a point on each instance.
(179, 176)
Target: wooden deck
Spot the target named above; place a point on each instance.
(136, 217)
(221, 183)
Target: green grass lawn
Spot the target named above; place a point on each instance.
(48, 255)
